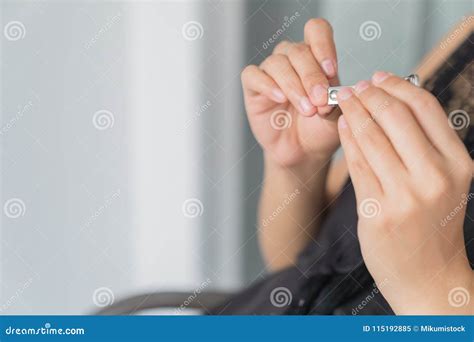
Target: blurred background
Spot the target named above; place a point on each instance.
(127, 165)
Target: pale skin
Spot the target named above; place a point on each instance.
(400, 153)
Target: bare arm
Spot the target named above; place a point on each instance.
(286, 103)
(291, 206)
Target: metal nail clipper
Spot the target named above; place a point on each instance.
(332, 91)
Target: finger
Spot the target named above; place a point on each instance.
(372, 141)
(318, 34)
(426, 109)
(397, 122)
(255, 81)
(364, 180)
(279, 68)
(312, 76)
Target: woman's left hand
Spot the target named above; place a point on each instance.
(411, 175)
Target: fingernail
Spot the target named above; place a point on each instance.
(342, 122)
(344, 94)
(320, 95)
(361, 86)
(306, 105)
(329, 68)
(379, 76)
(278, 95)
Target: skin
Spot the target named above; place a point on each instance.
(297, 158)
(416, 171)
(403, 158)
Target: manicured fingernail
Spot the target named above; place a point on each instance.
(344, 94)
(306, 105)
(361, 86)
(329, 68)
(342, 122)
(379, 77)
(278, 95)
(320, 95)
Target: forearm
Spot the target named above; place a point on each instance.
(290, 211)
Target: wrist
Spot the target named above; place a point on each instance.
(309, 173)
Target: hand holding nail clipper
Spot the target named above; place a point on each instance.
(408, 167)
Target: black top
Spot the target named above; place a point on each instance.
(330, 276)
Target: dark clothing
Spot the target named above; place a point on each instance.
(330, 276)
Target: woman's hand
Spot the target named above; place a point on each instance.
(286, 98)
(411, 175)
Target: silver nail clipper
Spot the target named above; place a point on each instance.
(332, 91)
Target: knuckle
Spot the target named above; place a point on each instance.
(426, 100)
(358, 165)
(297, 50)
(275, 61)
(464, 169)
(282, 46)
(246, 72)
(368, 137)
(314, 77)
(407, 204)
(317, 24)
(439, 185)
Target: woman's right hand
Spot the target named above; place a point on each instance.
(286, 98)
